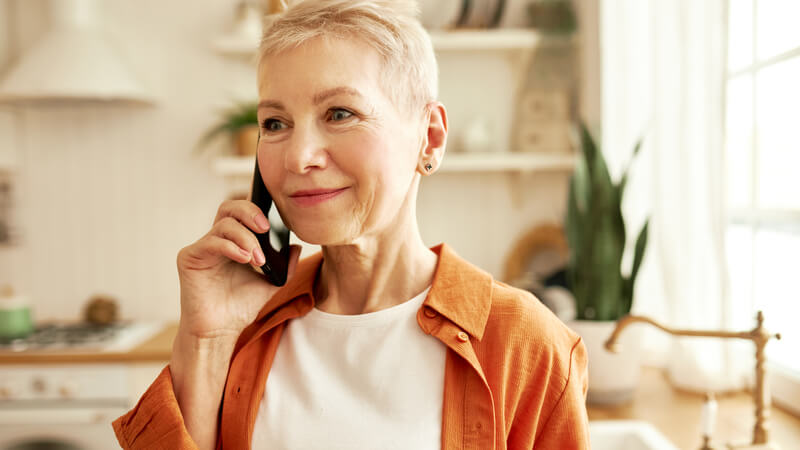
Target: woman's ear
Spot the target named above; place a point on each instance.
(435, 139)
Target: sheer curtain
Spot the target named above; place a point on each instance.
(663, 67)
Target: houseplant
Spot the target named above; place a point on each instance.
(596, 236)
(240, 123)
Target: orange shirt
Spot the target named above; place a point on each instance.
(515, 376)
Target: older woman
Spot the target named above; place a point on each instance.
(377, 342)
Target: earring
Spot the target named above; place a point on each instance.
(428, 167)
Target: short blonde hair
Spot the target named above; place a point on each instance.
(391, 27)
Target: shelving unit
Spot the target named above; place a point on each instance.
(238, 167)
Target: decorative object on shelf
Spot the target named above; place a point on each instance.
(545, 105)
(552, 16)
(477, 137)
(500, 8)
(73, 61)
(536, 255)
(544, 122)
(7, 229)
(596, 235)
(544, 137)
(440, 14)
(101, 310)
(534, 261)
(240, 123)
(15, 315)
(479, 14)
(760, 337)
(246, 29)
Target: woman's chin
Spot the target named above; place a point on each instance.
(324, 236)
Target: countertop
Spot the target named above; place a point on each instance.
(677, 415)
(155, 349)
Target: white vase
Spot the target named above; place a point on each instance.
(613, 377)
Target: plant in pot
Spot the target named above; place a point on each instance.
(596, 236)
(240, 124)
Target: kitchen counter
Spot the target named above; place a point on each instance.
(676, 414)
(155, 349)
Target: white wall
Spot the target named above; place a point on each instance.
(111, 193)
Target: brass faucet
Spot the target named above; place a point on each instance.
(759, 335)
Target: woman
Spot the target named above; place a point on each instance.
(378, 342)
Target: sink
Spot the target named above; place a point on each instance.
(627, 435)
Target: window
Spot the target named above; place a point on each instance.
(762, 149)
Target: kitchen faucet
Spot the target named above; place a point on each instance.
(759, 335)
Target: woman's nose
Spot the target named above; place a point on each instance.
(306, 150)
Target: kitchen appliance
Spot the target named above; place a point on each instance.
(68, 406)
(82, 337)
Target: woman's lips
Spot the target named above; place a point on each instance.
(314, 196)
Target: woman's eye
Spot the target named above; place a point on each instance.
(273, 125)
(340, 114)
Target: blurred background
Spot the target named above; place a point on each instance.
(124, 125)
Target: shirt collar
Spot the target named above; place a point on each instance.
(460, 291)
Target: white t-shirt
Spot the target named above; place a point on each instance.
(368, 381)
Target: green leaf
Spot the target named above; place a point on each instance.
(233, 119)
(638, 254)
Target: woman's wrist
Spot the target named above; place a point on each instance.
(199, 368)
(197, 354)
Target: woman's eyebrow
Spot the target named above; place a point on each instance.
(271, 104)
(318, 98)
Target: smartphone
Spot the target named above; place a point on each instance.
(275, 242)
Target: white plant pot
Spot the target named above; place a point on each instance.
(613, 377)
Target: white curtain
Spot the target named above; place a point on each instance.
(663, 73)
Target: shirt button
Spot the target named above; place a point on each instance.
(461, 336)
(429, 313)
(478, 425)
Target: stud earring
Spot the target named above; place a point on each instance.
(428, 167)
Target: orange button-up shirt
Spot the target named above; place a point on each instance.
(515, 376)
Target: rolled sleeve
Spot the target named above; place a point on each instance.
(156, 421)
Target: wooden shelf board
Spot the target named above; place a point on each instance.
(235, 166)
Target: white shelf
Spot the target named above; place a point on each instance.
(498, 39)
(507, 162)
(234, 166)
(455, 40)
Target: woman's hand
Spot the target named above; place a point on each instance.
(220, 295)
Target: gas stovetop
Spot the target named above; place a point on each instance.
(83, 337)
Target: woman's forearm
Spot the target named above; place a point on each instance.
(199, 368)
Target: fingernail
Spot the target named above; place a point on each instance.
(259, 255)
(261, 221)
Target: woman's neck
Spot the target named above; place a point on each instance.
(375, 273)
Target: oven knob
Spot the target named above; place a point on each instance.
(39, 386)
(68, 390)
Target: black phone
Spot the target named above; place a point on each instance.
(275, 242)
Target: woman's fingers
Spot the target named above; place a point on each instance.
(231, 229)
(210, 251)
(245, 212)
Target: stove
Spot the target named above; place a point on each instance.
(118, 337)
(71, 405)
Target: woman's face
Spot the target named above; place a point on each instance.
(337, 156)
